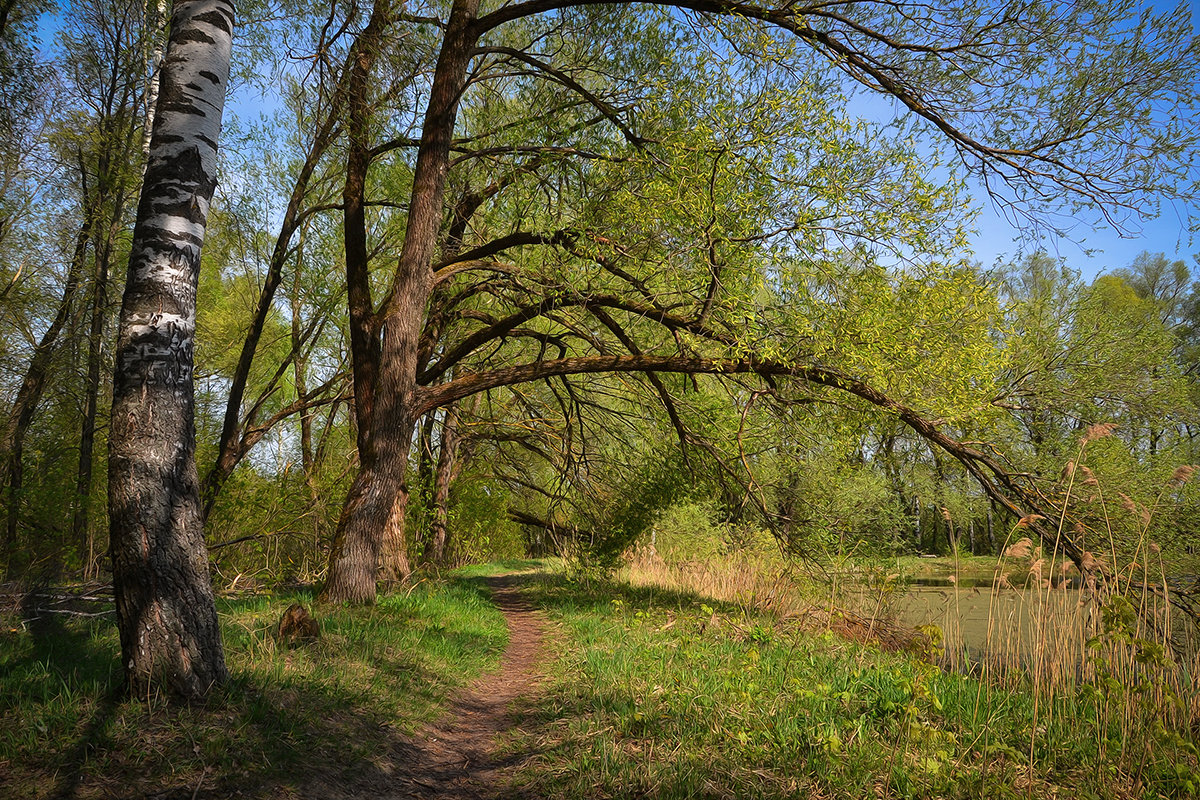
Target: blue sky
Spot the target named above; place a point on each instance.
(1094, 249)
(1091, 249)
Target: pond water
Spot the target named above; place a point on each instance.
(1036, 628)
(1018, 623)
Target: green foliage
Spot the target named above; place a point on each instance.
(479, 526)
(228, 294)
(923, 336)
(660, 481)
(843, 509)
(711, 174)
(686, 531)
(21, 74)
(1138, 722)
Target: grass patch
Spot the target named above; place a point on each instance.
(290, 721)
(669, 694)
(501, 567)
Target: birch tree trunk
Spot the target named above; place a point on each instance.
(165, 606)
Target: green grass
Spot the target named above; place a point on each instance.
(651, 693)
(666, 694)
(290, 719)
(502, 567)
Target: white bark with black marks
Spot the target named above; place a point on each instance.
(170, 640)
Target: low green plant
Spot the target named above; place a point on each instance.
(673, 694)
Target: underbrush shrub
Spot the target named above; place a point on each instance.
(698, 530)
(270, 529)
(480, 530)
(833, 508)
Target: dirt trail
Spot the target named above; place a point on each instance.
(452, 759)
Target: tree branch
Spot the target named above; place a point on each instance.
(1025, 503)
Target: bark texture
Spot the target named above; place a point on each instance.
(354, 561)
(165, 608)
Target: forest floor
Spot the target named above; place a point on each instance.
(449, 688)
(381, 706)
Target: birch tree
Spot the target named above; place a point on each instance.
(165, 605)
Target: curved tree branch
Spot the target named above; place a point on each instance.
(1002, 486)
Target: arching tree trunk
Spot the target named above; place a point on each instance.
(166, 613)
(231, 447)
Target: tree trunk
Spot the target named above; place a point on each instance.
(918, 529)
(230, 448)
(81, 528)
(372, 498)
(170, 639)
(300, 373)
(364, 338)
(443, 477)
(991, 531)
(83, 531)
(425, 468)
(156, 17)
(28, 396)
(426, 463)
(300, 367)
(389, 556)
(394, 566)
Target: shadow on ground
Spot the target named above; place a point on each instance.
(330, 720)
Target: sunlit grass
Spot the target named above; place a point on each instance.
(673, 693)
(291, 717)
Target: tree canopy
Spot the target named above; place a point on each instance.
(567, 263)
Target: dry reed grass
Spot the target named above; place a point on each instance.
(1111, 635)
(750, 581)
(1042, 631)
(764, 585)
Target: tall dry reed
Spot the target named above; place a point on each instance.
(751, 581)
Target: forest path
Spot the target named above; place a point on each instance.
(453, 758)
